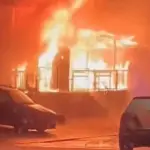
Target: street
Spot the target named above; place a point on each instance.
(88, 134)
(72, 136)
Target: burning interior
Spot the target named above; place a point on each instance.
(76, 59)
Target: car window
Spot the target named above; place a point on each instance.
(138, 104)
(4, 96)
(140, 107)
(20, 97)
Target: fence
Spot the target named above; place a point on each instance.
(96, 80)
(80, 80)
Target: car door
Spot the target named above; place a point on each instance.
(6, 108)
(140, 108)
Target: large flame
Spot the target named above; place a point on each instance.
(57, 29)
(60, 28)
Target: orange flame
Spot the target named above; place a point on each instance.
(19, 81)
(60, 28)
(22, 67)
(77, 4)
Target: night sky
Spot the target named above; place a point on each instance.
(22, 41)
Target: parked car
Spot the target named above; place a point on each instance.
(18, 110)
(135, 124)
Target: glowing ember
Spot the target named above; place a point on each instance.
(22, 67)
(60, 28)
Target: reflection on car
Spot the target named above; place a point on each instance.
(18, 110)
(135, 124)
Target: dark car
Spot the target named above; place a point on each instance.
(135, 124)
(19, 111)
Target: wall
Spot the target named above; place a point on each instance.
(85, 105)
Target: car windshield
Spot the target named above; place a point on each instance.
(20, 97)
(139, 104)
(140, 107)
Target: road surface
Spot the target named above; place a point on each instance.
(88, 135)
(76, 134)
(106, 142)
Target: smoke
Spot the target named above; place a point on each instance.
(129, 17)
(121, 17)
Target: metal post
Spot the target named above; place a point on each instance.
(13, 16)
(38, 78)
(115, 62)
(115, 54)
(87, 58)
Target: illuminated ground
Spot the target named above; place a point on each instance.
(90, 134)
(75, 134)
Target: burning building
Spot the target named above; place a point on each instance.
(76, 59)
(84, 66)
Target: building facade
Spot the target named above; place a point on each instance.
(96, 61)
(86, 73)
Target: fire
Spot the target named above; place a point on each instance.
(59, 30)
(19, 80)
(86, 78)
(22, 67)
(88, 67)
(77, 4)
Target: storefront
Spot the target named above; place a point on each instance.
(95, 62)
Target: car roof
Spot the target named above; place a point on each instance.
(141, 97)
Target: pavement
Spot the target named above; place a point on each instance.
(83, 143)
(84, 134)
(76, 134)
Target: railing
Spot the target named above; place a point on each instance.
(80, 80)
(19, 79)
(97, 80)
